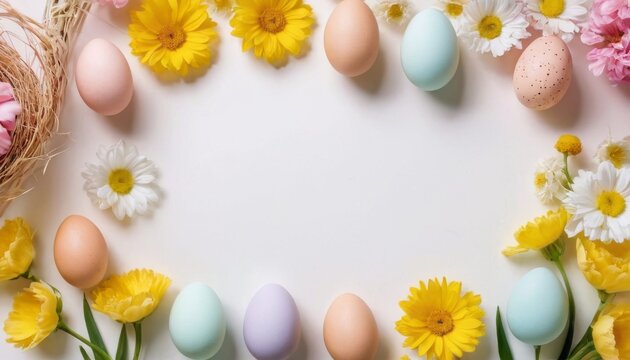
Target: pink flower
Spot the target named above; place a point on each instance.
(9, 109)
(117, 3)
(608, 30)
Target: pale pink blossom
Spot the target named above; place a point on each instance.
(9, 109)
(117, 3)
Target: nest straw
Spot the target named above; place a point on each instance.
(32, 60)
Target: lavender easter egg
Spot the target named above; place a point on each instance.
(271, 328)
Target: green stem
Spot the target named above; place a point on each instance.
(138, 347)
(537, 349)
(568, 341)
(566, 171)
(63, 327)
(586, 342)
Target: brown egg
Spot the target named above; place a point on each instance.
(81, 252)
(351, 38)
(350, 331)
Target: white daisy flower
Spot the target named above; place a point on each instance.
(617, 152)
(558, 17)
(123, 181)
(550, 181)
(454, 11)
(600, 204)
(494, 26)
(394, 11)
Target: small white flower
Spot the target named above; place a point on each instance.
(550, 180)
(394, 11)
(494, 26)
(123, 181)
(617, 152)
(558, 17)
(599, 203)
(454, 11)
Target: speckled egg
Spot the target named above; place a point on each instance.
(543, 73)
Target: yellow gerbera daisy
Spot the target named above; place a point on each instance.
(173, 35)
(130, 297)
(34, 316)
(439, 322)
(16, 248)
(540, 233)
(273, 28)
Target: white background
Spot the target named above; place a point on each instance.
(320, 183)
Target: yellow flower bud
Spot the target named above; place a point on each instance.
(611, 332)
(16, 249)
(605, 265)
(569, 144)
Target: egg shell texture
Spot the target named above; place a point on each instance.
(80, 252)
(543, 73)
(103, 77)
(271, 328)
(537, 310)
(350, 330)
(197, 322)
(351, 38)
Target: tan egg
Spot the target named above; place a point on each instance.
(350, 331)
(351, 38)
(80, 252)
(543, 73)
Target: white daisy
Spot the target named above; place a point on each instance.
(394, 11)
(454, 11)
(617, 152)
(494, 25)
(123, 181)
(600, 204)
(550, 180)
(558, 17)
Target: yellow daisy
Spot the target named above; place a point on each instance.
(540, 233)
(130, 297)
(439, 322)
(273, 28)
(173, 35)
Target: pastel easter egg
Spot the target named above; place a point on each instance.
(543, 73)
(351, 38)
(80, 252)
(197, 322)
(538, 309)
(103, 78)
(271, 328)
(350, 331)
(429, 52)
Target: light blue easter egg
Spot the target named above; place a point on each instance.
(429, 52)
(197, 322)
(538, 307)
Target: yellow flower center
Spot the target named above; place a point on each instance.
(440, 322)
(172, 37)
(490, 27)
(551, 8)
(540, 180)
(272, 20)
(611, 203)
(569, 144)
(395, 12)
(616, 155)
(454, 9)
(121, 181)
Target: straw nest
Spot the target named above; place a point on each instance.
(32, 58)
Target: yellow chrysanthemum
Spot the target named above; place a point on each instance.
(611, 332)
(172, 35)
(439, 322)
(540, 233)
(34, 316)
(16, 249)
(605, 265)
(569, 144)
(273, 28)
(130, 297)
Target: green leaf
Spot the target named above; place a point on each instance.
(92, 328)
(84, 353)
(122, 352)
(505, 353)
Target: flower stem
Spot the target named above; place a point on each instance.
(138, 347)
(537, 350)
(568, 341)
(63, 327)
(566, 171)
(585, 349)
